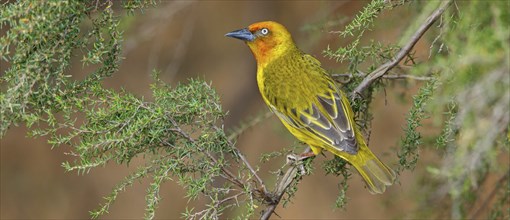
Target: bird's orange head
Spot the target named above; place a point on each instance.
(267, 40)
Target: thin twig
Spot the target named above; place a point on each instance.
(229, 176)
(405, 76)
(290, 174)
(281, 188)
(230, 198)
(238, 132)
(247, 164)
(250, 124)
(383, 69)
(253, 172)
(393, 76)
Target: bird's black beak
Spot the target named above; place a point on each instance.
(243, 34)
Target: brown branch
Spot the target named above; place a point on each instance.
(253, 172)
(281, 188)
(230, 198)
(405, 76)
(290, 174)
(250, 124)
(393, 76)
(229, 176)
(246, 163)
(383, 69)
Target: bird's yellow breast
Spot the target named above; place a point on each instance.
(293, 80)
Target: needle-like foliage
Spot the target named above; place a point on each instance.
(180, 137)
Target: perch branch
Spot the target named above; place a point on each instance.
(247, 164)
(383, 69)
(290, 174)
(393, 76)
(281, 188)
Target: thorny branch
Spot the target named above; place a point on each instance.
(247, 164)
(229, 176)
(383, 69)
(290, 174)
(393, 76)
(260, 190)
(250, 124)
(281, 188)
(273, 198)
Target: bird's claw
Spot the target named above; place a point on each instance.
(297, 161)
(292, 158)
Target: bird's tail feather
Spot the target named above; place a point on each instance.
(376, 174)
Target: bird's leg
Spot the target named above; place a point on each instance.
(297, 160)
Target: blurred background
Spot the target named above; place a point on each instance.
(185, 39)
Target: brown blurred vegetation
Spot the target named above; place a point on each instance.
(185, 39)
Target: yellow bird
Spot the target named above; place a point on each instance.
(305, 98)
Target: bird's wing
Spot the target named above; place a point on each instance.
(328, 119)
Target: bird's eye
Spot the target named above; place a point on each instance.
(264, 31)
